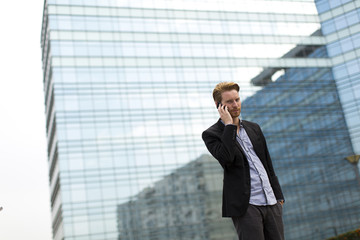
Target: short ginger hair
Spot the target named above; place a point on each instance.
(223, 87)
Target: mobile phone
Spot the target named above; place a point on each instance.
(218, 104)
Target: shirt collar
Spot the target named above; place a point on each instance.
(241, 124)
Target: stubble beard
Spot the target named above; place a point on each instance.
(235, 114)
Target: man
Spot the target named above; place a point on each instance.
(252, 196)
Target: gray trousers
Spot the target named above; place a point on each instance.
(260, 223)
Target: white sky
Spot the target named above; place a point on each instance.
(24, 191)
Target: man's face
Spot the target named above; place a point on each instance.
(231, 99)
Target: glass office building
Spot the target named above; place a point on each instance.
(340, 24)
(183, 205)
(128, 92)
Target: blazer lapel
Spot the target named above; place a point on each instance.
(255, 140)
(220, 125)
(252, 135)
(240, 148)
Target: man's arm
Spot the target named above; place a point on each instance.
(222, 146)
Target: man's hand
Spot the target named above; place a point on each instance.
(224, 114)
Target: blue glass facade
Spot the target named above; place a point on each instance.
(340, 24)
(182, 205)
(303, 121)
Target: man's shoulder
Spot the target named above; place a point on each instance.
(252, 125)
(248, 123)
(215, 128)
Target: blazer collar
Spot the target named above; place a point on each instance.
(220, 125)
(250, 132)
(255, 140)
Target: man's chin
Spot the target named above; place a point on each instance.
(235, 114)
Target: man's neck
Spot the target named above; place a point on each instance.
(236, 121)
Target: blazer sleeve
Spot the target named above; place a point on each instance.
(221, 146)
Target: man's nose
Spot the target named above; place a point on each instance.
(233, 103)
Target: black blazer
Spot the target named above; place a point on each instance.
(221, 142)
